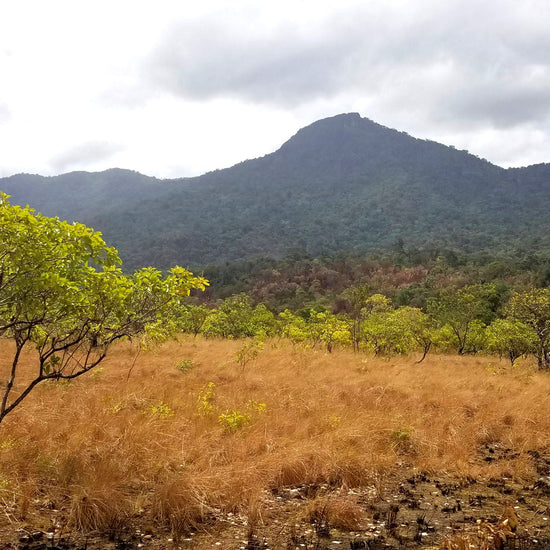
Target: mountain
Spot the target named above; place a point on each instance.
(343, 182)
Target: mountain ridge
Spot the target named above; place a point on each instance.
(344, 182)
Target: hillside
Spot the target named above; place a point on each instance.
(342, 183)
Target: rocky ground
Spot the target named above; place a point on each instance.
(412, 510)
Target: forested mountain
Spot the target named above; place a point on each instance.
(342, 183)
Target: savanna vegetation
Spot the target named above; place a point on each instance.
(390, 309)
(378, 403)
(192, 443)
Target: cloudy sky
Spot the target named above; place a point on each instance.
(174, 88)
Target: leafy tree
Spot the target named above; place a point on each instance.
(389, 332)
(458, 309)
(61, 290)
(191, 318)
(533, 309)
(477, 338)
(236, 318)
(356, 297)
(511, 338)
(329, 329)
(292, 326)
(374, 325)
(377, 303)
(418, 325)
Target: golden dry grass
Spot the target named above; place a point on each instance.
(106, 448)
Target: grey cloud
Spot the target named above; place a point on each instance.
(478, 63)
(210, 60)
(501, 107)
(84, 154)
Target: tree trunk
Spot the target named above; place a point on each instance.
(426, 350)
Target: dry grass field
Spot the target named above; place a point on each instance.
(187, 448)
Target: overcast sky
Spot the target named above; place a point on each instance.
(177, 88)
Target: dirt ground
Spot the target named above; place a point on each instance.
(409, 510)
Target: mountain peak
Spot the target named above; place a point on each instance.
(334, 124)
(344, 182)
(349, 146)
(331, 131)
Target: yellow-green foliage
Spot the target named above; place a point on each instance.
(63, 292)
(256, 406)
(7, 443)
(248, 352)
(293, 327)
(184, 365)
(233, 420)
(162, 410)
(401, 438)
(205, 400)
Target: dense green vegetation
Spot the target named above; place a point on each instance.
(343, 183)
(407, 276)
(402, 302)
(486, 318)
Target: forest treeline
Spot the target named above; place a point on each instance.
(405, 301)
(409, 276)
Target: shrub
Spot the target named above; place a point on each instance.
(184, 365)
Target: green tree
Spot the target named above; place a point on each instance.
(292, 327)
(374, 325)
(329, 329)
(460, 309)
(236, 318)
(356, 298)
(419, 327)
(191, 318)
(377, 303)
(511, 338)
(391, 332)
(533, 309)
(61, 290)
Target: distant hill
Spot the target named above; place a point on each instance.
(342, 183)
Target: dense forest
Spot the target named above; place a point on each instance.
(407, 276)
(341, 184)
